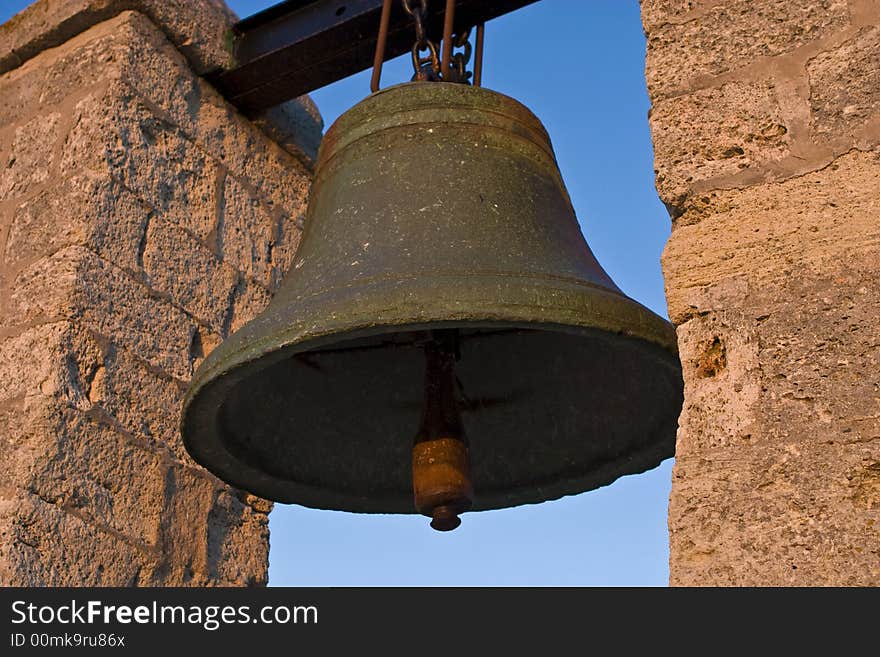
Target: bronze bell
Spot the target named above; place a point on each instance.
(444, 332)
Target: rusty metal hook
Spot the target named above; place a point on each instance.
(381, 40)
(478, 56)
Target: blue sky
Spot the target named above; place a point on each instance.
(580, 67)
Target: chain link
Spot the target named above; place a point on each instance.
(418, 14)
(458, 67)
(427, 67)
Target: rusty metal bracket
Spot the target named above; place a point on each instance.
(298, 46)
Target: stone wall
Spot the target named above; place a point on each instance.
(141, 220)
(766, 128)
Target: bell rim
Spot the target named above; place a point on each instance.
(622, 315)
(242, 475)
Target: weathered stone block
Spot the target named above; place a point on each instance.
(732, 35)
(785, 496)
(656, 13)
(116, 134)
(91, 211)
(44, 545)
(296, 126)
(817, 220)
(130, 46)
(76, 284)
(94, 471)
(191, 275)
(197, 28)
(280, 181)
(184, 545)
(203, 343)
(64, 460)
(31, 157)
(713, 133)
(233, 554)
(114, 305)
(249, 301)
(32, 363)
(845, 86)
(716, 360)
(44, 83)
(246, 233)
(141, 148)
(139, 398)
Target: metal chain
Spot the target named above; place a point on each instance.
(458, 68)
(427, 67)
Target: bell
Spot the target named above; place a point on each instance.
(445, 340)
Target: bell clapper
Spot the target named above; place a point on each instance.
(441, 467)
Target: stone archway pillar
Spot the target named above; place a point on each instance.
(141, 220)
(766, 127)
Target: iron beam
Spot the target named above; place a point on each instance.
(298, 46)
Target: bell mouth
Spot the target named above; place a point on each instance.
(328, 422)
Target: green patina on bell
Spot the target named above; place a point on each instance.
(438, 216)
